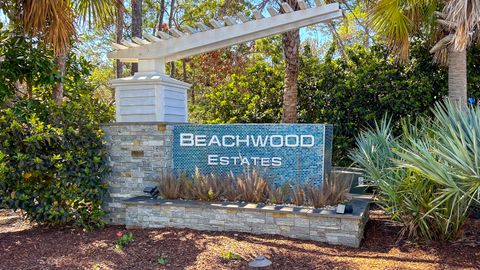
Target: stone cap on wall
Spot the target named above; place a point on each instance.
(360, 206)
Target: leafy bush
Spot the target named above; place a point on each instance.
(26, 64)
(349, 92)
(52, 158)
(428, 178)
(53, 161)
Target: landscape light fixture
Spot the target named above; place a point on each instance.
(153, 191)
(344, 209)
(260, 262)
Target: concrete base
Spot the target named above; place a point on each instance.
(295, 222)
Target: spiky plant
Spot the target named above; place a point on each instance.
(279, 194)
(252, 187)
(430, 176)
(298, 194)
(169, 187)
(449, 157)
(206, 187)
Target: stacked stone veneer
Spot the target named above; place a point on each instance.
(138, 155)
(295, 222)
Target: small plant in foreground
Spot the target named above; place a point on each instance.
(123, 240)
(162, 259)
(231, 256)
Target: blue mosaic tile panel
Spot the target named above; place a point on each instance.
(280, 152)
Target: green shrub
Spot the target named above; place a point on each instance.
(52, 162)
(428, 178)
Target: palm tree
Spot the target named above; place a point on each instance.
(53, 21)
(458, 26)
(291, 45)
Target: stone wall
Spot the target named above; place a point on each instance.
(296, 222)
(138, 155)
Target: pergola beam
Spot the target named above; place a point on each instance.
(172, 49)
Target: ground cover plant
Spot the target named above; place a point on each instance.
(123, 239)
(429, 176)
(253, 188)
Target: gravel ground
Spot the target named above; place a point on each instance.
(23, 246)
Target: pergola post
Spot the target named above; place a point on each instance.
(151, 96)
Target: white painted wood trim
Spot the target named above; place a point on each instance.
(202, 42)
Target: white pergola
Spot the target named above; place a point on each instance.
(152, 96)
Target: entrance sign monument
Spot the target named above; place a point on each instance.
(151, 138)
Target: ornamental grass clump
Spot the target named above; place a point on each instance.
(206, 187)
(429, 177)
(170, 187)
(333, 191)
(279, 194)
(252, 187)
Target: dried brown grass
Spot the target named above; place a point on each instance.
(298, 194)
(252, 187)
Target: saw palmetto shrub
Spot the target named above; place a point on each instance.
(52, 161)
(429, 177)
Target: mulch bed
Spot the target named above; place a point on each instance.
(23, 246)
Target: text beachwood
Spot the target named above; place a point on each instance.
(274, 141)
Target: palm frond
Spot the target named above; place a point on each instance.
(465, 15)
(97, 12)
(51, 19)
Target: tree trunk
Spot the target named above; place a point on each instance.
(291, 45)
(119, 35)
(170, 25)
(160, 15)
(57, 93)
(457, 76)
(136, 25)
(184, 70)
